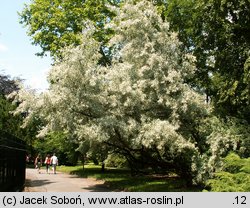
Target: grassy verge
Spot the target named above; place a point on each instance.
(121, 180)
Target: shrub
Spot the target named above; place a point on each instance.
(234, 177)
(117, 161)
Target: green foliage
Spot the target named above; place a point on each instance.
(10, 123)
(56, 24)
(57, 142)
(234, 177)
(217, 33)
(114, 160)
(5, 119)
(7, 122)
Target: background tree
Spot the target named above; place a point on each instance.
(7, 85)
(9, 123)
(56, 24)
(58, 142)
(218, 34)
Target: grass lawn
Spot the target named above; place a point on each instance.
(121, 180)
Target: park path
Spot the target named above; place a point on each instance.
(60, 182)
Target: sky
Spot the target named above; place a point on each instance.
(17, 54)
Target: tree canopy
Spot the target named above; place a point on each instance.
(218, 34)
(9, 123)
(7, 85)
(56, 24)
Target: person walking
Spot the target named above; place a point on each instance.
(47, 163)
(54, 162)
(38, 163)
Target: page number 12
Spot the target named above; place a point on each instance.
(240, 200)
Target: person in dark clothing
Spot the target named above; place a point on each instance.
(38, 163)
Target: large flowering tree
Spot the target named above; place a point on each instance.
(140, 106)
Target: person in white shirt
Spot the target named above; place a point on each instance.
(54, 162)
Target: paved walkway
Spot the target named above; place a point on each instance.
(60, 182)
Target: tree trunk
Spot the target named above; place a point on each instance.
(103, 167)
(83, 161)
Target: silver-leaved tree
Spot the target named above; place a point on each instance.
(140, 106)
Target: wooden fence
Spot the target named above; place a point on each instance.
(12, 163)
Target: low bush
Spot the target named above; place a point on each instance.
(234, 177)
(114, 160)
